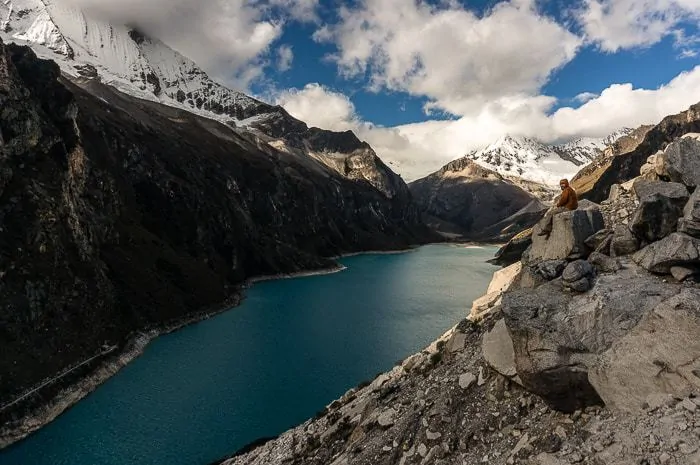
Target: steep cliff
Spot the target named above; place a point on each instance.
(118, 214)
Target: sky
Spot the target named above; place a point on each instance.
(425, 82)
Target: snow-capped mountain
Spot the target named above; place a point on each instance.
(124, 58)
(542, 163)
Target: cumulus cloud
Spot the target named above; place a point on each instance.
(229, 38)
(285, 56)
(415, 150)
(584, 97)
(457, 59)
(620, 24)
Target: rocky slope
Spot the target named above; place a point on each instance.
(594, 183)
(119, 214)
(471, 202)
(588, 353)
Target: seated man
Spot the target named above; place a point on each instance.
(568, 201)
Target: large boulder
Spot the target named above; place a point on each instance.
(660, 206)
(678, 249)
(681, 160)
(690, 223)
(502, 281)
(557, 337)
(568, 237)
(497, 347)
(623, 242)
(661, 355)
(578, 276)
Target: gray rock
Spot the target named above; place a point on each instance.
(582, 285)
(577, 270)
(678, 249)
(623, 242)
(598, 238)
(497, 347)
(567, 240)
(550, 269)
(690, 223)
(557, 337)
(681, 161)
(681, 273)
(466, 380)
(660, 206)
(603, 263)
(432, 436)
(660, 355)
(386, 418)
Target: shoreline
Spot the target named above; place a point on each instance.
(135, 345)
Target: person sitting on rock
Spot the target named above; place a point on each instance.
(567, 202)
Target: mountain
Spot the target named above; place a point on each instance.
(147, 68)
(535, 161)
(622, 161)
(120, 216)
(466, 200)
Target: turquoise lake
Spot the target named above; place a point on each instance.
(293, 346)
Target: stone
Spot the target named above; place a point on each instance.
(623, 242)
(422, 450)
(678, 249)
(660, 206)
(457, 341)
(569, 232)
(690, 223)
(582, 285)
(558, 337)
(689, 405)
(681, 273)
(577, 270)
(550, 269)
(432, 436)
(657, 400)
(502, 281)
(497, 348)
(595, 241)
(603, 263)
(386, 418)
(659, 355)
(466, 380)
(681, 161)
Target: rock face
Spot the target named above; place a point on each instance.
(119, 214)
(558, 337)
(479, 204)
(681, 160)
(661, 205)
(642, 363)
(513, 250)
(678, 249)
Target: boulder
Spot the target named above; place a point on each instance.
(497, 347)
(681, 161)
(604, 264)
(558, 336)
(660, 206)
(569, 232)
(690, 223)
(577, 270)
(661, 355)
(623, 242)
(550, 269)
(597, 239)
(678, 249)
(502, 281)
(681, 273)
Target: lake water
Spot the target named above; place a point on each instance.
(292, 347)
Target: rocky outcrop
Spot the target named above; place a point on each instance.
(513, 250)
(568, 237)
(119, 214)
(596, 185)
(501, 282)
(681, 160)
(482, 204)
(678, 249)
(661, 205)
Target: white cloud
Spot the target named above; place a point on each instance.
(620, 24)
(458, 60)
(229, 38)
(285, 56)
(415, 150)
(584, 97)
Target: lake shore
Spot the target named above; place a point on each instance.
(72, 391)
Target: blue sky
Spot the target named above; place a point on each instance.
(426, 81)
